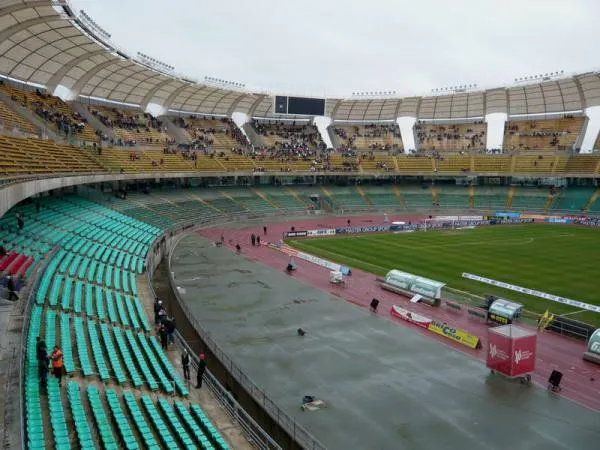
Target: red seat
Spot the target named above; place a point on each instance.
(25, 266)
(17, 263)
(8, 260)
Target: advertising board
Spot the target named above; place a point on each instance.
(296, 234)
(365, 229)
(499, 353)
(523, 355)
(407, 316)
(455, 334)
(509, 214)
(544, 295)
(321, 232)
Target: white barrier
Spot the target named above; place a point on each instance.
(544, 295)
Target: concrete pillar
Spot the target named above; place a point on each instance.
(407, 131)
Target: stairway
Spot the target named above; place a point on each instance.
(265, 198)
(93, 120)
(31, 117)
(511, 194)
(471, 196)
(294, 194)
(255, 139)
(592, 199)
(399, 196)
(175, 131)
(362, 193)
(226, 195)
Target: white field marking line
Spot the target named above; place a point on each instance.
(493, 242)
(497, 242)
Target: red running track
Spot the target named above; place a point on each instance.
(581, 380)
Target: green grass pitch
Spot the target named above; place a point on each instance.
(557, 259)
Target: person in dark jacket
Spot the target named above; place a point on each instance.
(164, 339)
(185, 362)
(157, 308)
(12, 290)
(170, 327)
(201, 369)
(43, 362)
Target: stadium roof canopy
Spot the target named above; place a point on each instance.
(43, 42)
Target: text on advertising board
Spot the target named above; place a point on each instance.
(455, 334)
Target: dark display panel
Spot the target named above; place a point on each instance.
(300, 106)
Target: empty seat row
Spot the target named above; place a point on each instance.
(127, 437)
(80, 419)
(102, 424)
(57, 416)
(33, 409)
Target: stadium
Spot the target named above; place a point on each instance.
(339, 270)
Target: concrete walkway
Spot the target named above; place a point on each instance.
(386, 386)
(217, 415)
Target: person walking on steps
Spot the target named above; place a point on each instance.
(43, 361)
(265, 230)
(164, 337)
(201, 369)
(185, 362)
(57, 363)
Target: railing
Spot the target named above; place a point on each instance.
(298, 433)
(251, 429)
(26, 313)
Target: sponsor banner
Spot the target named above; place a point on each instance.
(366, 229)
(558, 220)
(407, 316)
(470, 218)
(523, 355)
(454, 334)
(512, 215)
(544, 295)
(323, 263)
(534, 216)
(321, 232)
(296, 234)
(445, 218)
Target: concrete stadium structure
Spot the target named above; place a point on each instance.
(45, 45)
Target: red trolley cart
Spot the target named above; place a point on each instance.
(511, 352)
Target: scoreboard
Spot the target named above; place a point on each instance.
(302, 106)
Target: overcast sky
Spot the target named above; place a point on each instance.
(334, 48)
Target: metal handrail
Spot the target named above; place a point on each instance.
(253, 431)
(298, 433)
(27, 309)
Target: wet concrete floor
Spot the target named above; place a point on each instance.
(386, 386)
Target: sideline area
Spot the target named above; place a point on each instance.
(388, 384)
(581, 381)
